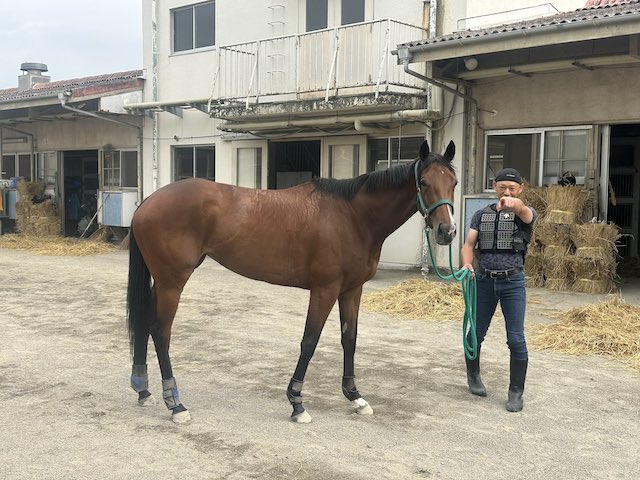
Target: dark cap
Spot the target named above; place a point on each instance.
(509, 175)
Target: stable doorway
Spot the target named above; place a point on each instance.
(292, 163)
(79, 199)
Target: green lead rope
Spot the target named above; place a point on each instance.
(469, 294)
(464, 276)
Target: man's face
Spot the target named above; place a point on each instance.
(507, 188)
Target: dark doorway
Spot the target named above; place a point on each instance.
(291, 163)
(80, 190)
(624, 194)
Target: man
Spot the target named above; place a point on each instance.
(501, 233)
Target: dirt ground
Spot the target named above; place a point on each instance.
(67, 410)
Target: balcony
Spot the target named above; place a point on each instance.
(344, 67)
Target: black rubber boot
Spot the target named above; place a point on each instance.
(516, 385)
(473, 376)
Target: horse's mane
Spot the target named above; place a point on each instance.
(372, 182)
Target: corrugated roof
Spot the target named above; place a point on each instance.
(104, 82)
(597, 10)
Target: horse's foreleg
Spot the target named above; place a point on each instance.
(320, 304)
(166, 305)
(349, 307)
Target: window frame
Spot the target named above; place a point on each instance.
(17, 171)
(194, 161)
(102, 169)
(194, 33)
(392, 159)
(539, 161)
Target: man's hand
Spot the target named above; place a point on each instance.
(469, 267)
(510, 203)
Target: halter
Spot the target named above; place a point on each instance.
(422, 207)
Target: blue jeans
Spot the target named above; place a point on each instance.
(511, 294)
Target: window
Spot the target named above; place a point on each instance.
(198, 162)
(194, 26)
(564, 151)
(352, 11)
(119, 168)
(519, 151)
(560, 150)
(250, 167)
(344, 161)
(16, 165)
(317, 14)
(388, 152)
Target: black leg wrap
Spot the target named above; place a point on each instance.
(294, 394)
(349, 388)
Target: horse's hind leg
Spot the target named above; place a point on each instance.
(166, 304)
(349, 307)
(139, 376)
(320, 305)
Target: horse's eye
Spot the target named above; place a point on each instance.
(423, 183)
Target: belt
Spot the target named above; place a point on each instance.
(500, 274)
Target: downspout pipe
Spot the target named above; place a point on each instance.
(405, 56)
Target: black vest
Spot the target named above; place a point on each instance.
(502, 232)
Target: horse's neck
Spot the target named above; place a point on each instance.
(385, 212)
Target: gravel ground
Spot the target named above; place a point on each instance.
(68, 412)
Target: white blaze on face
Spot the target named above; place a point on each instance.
(452, 222)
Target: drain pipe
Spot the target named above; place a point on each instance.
(405, 56)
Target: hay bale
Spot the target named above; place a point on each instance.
(593, 285)
(553, 234)
(533, 269)
(535, 197)
(28, 190)
(595, 239)
(566, 205)
(557, 270)
(609, 328)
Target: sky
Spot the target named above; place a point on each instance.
(74, 38)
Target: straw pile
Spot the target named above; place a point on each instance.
(534, 269)
(39, 219)
(566, 205)
(609, 328)
(55, 246)
(419, 299)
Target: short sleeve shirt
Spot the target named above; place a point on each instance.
(500, 261)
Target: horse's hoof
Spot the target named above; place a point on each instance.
(181, 417)
(149, 401)
(303, 417)
(362, 407)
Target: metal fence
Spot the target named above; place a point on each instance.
(316, 64)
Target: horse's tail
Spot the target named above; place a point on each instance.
(138, 294)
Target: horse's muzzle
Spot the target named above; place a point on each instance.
(445, 233)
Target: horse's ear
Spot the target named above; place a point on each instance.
(424, 150)
(450, 152)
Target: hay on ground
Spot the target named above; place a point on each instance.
(609, 328)
(419, 299)
(566, 205)
(54, 245)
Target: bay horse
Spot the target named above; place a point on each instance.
(324, 236)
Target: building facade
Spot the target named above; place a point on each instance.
(545, 89)
(271, 93)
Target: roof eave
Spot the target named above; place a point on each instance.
(618, 25)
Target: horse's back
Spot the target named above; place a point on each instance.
(270, 235)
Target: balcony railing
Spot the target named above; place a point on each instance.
(354, 58)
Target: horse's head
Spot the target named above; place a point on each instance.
(436, 183)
